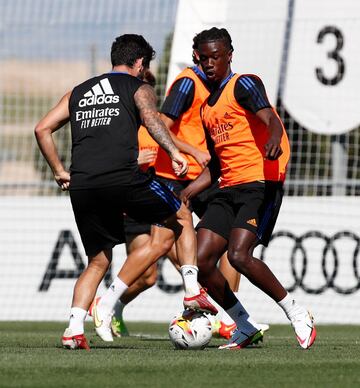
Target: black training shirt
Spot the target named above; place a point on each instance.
(104, 129)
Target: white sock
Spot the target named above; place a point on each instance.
(119, 308)
(77, 318)
(290, 307)
(242, 319)
(111, 296)
(189, 274)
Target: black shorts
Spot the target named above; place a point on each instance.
(200, 203)
(133, 227)
(253, 206)
(176, 186)
(99, 213)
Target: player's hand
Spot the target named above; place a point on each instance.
(202, 157)
(63, 179)
(179, 164)
(272, 148)
(146, 156)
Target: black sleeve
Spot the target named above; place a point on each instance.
(250, 93)
(180, 98)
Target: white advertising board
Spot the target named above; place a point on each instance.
(314, 252)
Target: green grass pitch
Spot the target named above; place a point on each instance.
(31, 356)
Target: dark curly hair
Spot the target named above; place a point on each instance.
(212, 35)
(127, 48)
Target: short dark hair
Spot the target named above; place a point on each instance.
(212, 35)
(127, 48)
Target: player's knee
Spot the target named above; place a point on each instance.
(99, 263)
(238, 258)
(184, 216)
(206, 265)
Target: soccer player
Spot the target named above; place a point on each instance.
(181, 114)
(105, 182)
(252, 149)
(137, 233)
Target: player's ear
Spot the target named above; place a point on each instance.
(196, 56)
(138, 65)
(230, 57)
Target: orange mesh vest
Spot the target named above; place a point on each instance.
(240, 137)
(188, 127)
(146, 142)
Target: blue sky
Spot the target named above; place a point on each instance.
(53, 29)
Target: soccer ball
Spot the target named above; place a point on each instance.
(190, 330)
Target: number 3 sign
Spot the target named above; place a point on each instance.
(321, 90)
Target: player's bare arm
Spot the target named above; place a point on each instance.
(272, 147)
(51, 122)
(146, 156)
(203, 181)
(202, 157)
(145, 101)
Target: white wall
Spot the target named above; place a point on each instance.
(30, 228)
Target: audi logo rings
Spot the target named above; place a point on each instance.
(299, 267)
(300, 257)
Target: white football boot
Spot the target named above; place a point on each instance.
(102, 324)
(305, 331)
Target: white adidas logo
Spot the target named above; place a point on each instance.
(101, 93)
